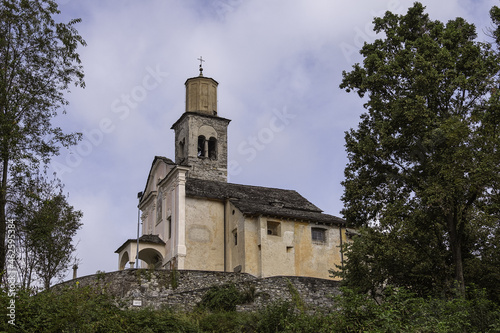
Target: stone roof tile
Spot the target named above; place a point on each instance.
(257, 200)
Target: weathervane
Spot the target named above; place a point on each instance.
(201, 65)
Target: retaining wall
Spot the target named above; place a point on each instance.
(183, 289)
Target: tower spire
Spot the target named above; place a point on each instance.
(201, 65)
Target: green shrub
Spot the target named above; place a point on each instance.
(223, 321)
(276, 317)
(402, 311)
(72, 309)
(221, 298)
(88, 309)
(149, 320)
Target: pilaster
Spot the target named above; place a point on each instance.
(179, 185)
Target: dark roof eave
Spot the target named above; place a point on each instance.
(187, 113)
(143, 241)
(325, 219)
(257, 201)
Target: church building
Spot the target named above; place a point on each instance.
(193, 219)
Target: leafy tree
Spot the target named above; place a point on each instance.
(424, 163)
(38, 63)
(49, 235)
(482, 264)
(41, 212)
(24, 204)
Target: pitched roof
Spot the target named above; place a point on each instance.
(257, 200)
(157, 158)
(151, 239)
(155, 239)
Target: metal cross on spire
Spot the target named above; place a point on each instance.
(201, 65)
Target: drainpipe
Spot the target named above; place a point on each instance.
(139, 195)
(225, 229)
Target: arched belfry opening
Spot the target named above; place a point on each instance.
(207, 148)
(212, 148)
(202, 150)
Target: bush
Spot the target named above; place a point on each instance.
(276, 317)
(223, 321)
(222, 298)
(402, 311)
(88, 309)
(70, 310)
(149, 320)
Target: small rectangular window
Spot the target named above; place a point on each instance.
(235, 236)
(318, 235)
(273, 228)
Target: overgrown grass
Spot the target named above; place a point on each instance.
(90, 310)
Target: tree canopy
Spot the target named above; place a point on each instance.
(50, 235)
(38, 63)
(45, 227)
(424, 163)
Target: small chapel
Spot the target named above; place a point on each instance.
(193, 219)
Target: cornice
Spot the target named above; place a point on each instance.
(174, 175)
(198, 114)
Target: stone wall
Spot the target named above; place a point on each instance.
(183, 289)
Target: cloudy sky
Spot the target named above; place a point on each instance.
(278, 64)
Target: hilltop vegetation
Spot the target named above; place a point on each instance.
(84, 309)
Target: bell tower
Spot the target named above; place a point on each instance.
(200, 134)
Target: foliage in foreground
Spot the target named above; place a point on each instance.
(424, 170)
(92, 310)
(39, 64)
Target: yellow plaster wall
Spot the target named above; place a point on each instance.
(235, 253)
(252, 246)
(316, 259)
(277, 252)
(204, 235)
(292, 252)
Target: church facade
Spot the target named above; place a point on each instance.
(193, 219)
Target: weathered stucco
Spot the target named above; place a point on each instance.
(204, 235)
(201, 95)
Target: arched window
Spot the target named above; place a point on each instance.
(181, 149)
(212, 148)
(159, 207)
(202, 152)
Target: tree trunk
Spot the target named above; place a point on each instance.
(456, 249)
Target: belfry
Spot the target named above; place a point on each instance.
(193, 219)
(200, 134)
